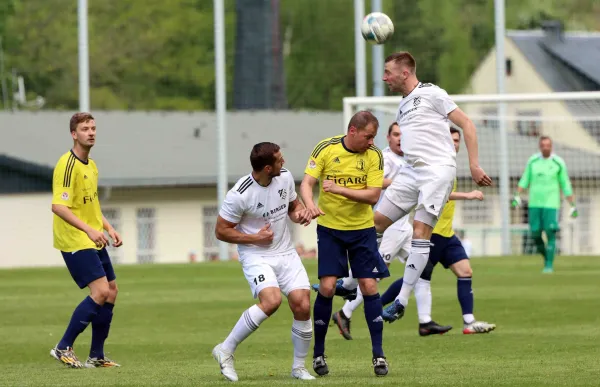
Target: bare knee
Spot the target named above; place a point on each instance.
(300, 307)
(368, 286)
(327, 286)
(269, 300)
(99, 292)
(113, 291)
(382, 222)
(421, 230)
(462, 269)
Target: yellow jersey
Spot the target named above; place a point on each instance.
(444, 225)
(331, 160)
(75, 185)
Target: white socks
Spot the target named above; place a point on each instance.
(415, 264)
(349, 282)
(350, 306)
(248, 323)
(301, 337)
(423, 296)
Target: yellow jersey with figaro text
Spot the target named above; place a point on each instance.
(75, 185)
(444, 225)
(331, 160)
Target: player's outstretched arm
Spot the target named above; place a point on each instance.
(225, 231)
(459, 118)
(368, 195)
(306, 193)
(473, 195)
(68, 216)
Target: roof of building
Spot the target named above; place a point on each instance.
(17, 176)
(567, 61)
(166, 149)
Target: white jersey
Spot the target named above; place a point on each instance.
(423, 120)
(392, 163)
(253, 206)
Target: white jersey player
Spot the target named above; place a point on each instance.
(426, 181)
(254, 216)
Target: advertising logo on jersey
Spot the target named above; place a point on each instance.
(90, 198)
(312, 164)
(416, 101)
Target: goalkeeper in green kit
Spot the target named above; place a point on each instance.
(545, 176)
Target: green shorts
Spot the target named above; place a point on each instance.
(543, 219)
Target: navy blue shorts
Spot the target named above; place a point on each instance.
(337, 247)
(88, 265)
(446, 251)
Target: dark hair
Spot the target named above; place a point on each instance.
(454, 130)
(403, 58)
(392, 127)
(263, 154)
(363, 118)
(542, 138)
(78, 118)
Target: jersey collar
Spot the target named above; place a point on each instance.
(80, 160)
(345, 147)
(416, 87)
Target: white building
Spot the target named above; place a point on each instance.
(158, 177)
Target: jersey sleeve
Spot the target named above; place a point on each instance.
(442, 102)
(375, 171)
(563, 179)
(292, 190)
(316, 162)
(232, 209)
(63, 182)
(526, 177)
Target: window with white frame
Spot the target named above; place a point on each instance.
(146, 235)
(529, 123)
(211, 243)
(113, 215)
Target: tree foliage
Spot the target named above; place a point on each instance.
(156, 54)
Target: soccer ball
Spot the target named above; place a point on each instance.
(377, 27)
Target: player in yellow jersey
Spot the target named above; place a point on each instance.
(78, 234)
(448, 250)
(350, 171)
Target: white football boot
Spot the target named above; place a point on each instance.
(225, 361)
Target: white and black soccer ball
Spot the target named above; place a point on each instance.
(377, 27)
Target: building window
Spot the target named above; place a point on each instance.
(113, 215)
(508, 67)
(489, 117)
(476, 212)
(211, 243)
(529, 123)
(146, 235)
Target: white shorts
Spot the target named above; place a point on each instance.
(284, 271)
(424, 188)
(396, 242)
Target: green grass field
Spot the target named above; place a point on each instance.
(168, 318)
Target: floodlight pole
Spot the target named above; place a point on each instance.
(377, 51)
(504, 182)
(360, 57)
(221, 106)
(84, 66)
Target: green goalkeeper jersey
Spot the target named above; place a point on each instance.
(545, 178)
